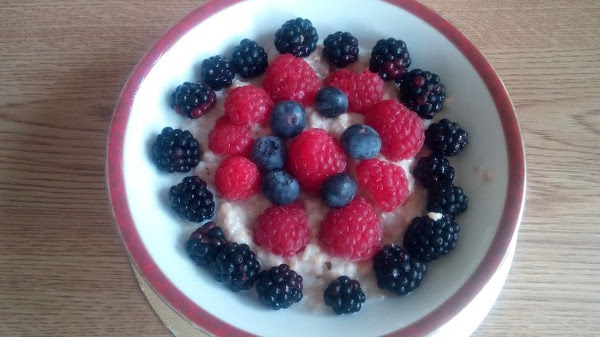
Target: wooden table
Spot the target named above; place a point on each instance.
(63, 269)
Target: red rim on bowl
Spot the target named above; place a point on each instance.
(511, 214)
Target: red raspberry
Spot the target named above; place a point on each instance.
(363, 90)
(230, 139)
(289, 78)
(352, 232)
(385, 183)
(237, 178)
(248, 104)
(401, 130)
(282, 230)
(314, 156)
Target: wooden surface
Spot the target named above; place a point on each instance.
(63, 269)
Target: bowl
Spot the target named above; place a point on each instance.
(491, 169)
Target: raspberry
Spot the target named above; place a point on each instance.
(230, 139)
(248, 104)
(314, 156)
(385, 183)
(282, 230)
(363, 90)
(237, 178)
(400, 129)
(351, 232)
(289, 78)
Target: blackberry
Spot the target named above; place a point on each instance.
(344, 295)
(390, 59)
(236, 266)
(249, 59)
(422, 92)
(216, 72)
(193, 100)
(446, 137)
(341, 49)
(192, 200)
(434, 170)
(397, 271)
(428, 237)
(447, 199)
(204, 242)
(279, 287)
(297, 37)
(175, 150)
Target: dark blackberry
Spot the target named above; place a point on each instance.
(279, 287)
(192, 100)
(236, 266)
(397, 271)
(192, 200)
(390, 59)
(341, 49)
(447, 199)
(344, 295)
(428, 237)
(434, 170)
(422, 92)
(175, 151)
(297, 37)
(446, 137)
(249, 59)
(216, 72)
(204, 242)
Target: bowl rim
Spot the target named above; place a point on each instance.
(510, 219)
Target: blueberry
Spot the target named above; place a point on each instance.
(288, 119)
(361, 141)
(331, 102)
(269, 153)
(338, 190)
(280, 187)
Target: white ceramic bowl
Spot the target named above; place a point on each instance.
(491, 169)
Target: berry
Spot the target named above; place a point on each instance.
(269, 153)
(338, 190)
(289, 78)
(280, 187)
(331, 102)
(448, 199)
(216, 72)
(229, 139)
(175, 151)
(446, 137)
(282, 230)
(400, 129)
(237, 178)
(288, 119)
(248, 104)
(279, 287)
(191, 200)
(434, 170)
(351, 232)
(297, 37)
(236, 266)
(361, 142)
(422, 92)
(344, 295)
(204, 242)
(313, 156)
(341, 49)
(249, 59)
(429, 237)
(192, 100)
(384, 183)
(362, 89)
(390, 59)
(397, 271)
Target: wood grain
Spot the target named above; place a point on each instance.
(63, 270)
